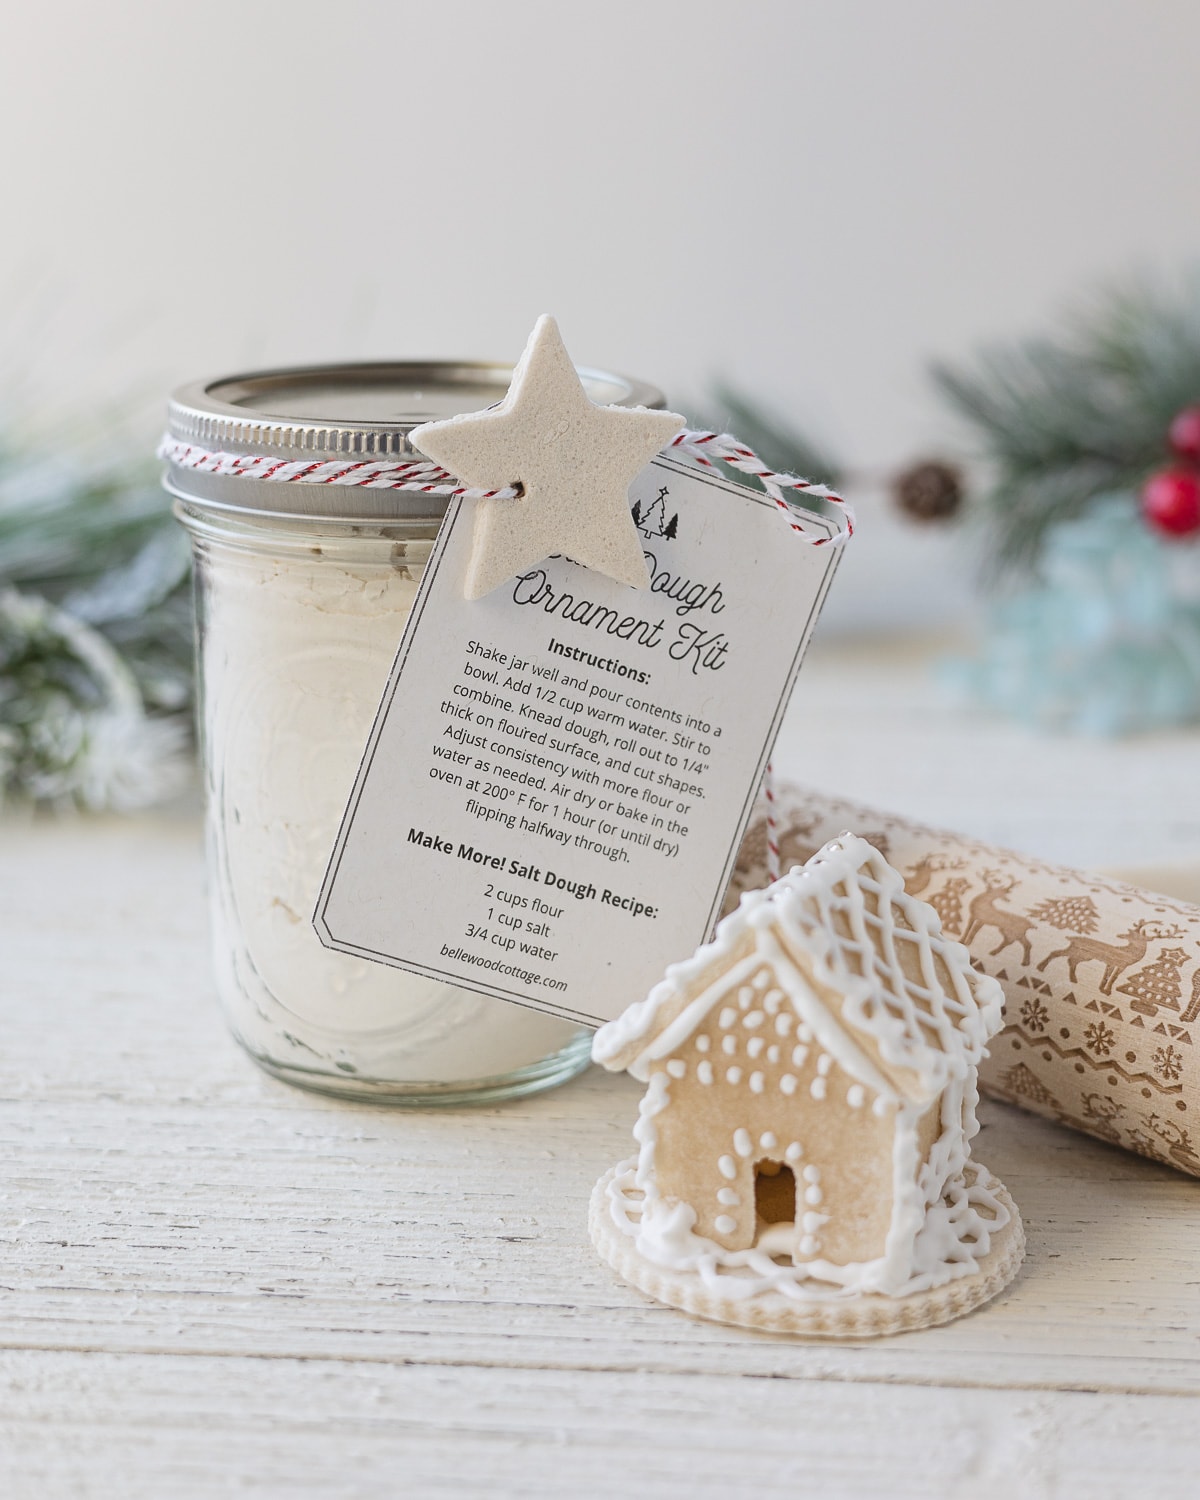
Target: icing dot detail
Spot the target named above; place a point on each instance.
(729, 1045)
(705, 1073)
(726, 1019)
(756, 1083)
(854, 906)
(727, 1167)
(812, 1174)
(742, 1143)
(767, 1140)
(733, 1075)
(677, 1067)
(730, 1197)
(703, 1043)
(723, 1224)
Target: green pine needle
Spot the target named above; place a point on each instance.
(1064, 420)
(778, 442)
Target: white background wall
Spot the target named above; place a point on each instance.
(808, 199)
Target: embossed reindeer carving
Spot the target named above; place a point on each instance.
(983, 912)
(919, 875)
(1115, 957)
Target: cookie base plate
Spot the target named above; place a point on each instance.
(858, 1316)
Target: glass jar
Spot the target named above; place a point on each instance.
(302, 594)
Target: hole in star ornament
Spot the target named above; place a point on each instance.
(573, 461)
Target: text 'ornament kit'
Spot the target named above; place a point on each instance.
(562, 768)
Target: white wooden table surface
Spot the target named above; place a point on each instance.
(211, 1283)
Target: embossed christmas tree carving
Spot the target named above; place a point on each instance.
(948, 903)
(1068, 913)
(1024, 1082)
(1158, 985)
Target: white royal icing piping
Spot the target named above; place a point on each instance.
(931, 1242)
(804, 903)
(937, 1231)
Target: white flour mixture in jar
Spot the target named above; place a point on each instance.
(303, 592)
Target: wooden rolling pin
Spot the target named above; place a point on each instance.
(1101, 980)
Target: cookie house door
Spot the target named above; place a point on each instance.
(775, 1207)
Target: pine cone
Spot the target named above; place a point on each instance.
(929, 491)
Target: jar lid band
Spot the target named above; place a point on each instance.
(355, 412)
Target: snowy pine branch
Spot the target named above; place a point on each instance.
(1063, 420)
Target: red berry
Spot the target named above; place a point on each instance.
(1171, 501)
(1184, 434)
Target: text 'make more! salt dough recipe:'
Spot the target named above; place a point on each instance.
(554, 790)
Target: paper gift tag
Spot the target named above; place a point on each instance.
(560, 773)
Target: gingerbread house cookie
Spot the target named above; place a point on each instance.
(804, 1141)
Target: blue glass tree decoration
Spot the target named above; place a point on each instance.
(1106, 641)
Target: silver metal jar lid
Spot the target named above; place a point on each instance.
(322, 412)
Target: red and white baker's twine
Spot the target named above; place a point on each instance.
(704, 447)
(772, 829)
(420, 476)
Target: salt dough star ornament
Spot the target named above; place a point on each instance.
(573, 460)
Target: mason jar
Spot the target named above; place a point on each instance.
(302, 594)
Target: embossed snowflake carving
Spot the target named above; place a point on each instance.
(1100, 1038)
(1168, 1063)
(1035, 1015)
